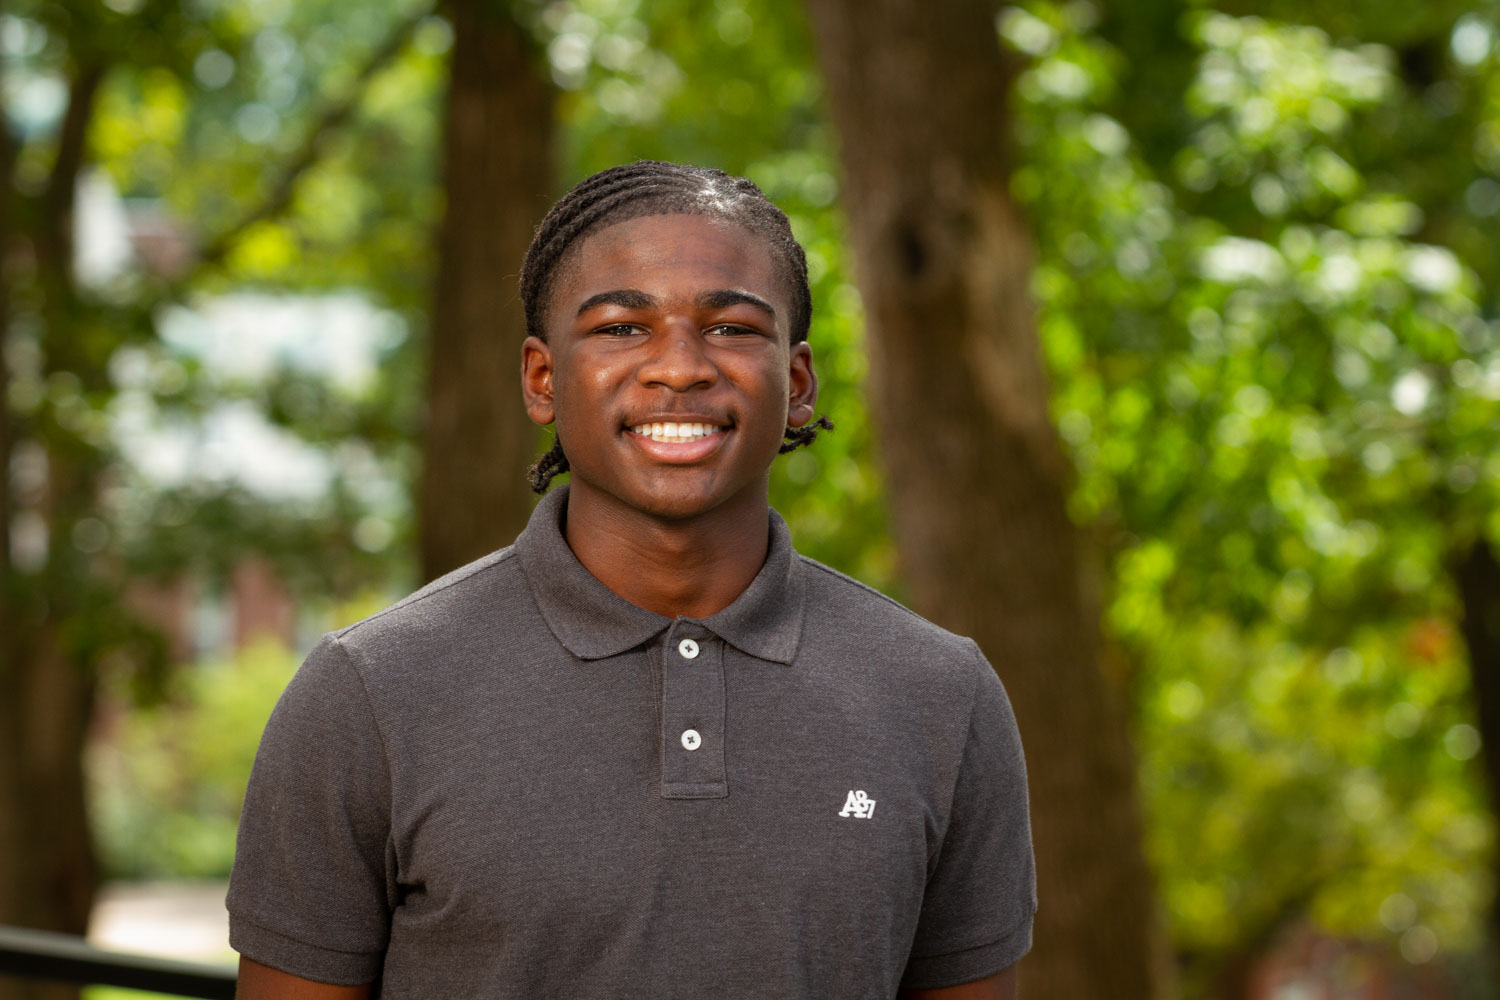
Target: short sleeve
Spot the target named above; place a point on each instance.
(313, 877)
(979, 901)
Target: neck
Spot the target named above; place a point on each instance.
(688, 567)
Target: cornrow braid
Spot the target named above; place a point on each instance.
(652, 187)
(801, 437)
(554, 463)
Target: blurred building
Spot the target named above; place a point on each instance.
(1306, 964)
(253, 606)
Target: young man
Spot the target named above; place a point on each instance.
(648, 750)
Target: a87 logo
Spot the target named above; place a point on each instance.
(859, 805)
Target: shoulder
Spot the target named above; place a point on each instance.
(452, 618)
(455, 596)
(835, 598)
(873, 635)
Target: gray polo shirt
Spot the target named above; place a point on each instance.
(516, 784)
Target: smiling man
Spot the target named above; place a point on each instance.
(648, 750)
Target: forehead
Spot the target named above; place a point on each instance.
(669, 256)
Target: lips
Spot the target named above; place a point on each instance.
(678, 441)
(676, 432)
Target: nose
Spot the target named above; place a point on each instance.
(678, 359)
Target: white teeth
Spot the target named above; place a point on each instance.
(674, 433)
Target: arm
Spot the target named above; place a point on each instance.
(1001, 986)
(980, 897)
(313, 872)
(261, 982)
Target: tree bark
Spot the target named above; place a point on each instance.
(1478, 576)
(7, 432)
(976, 476)
(498, 177)
(47, 871)
(47, 868)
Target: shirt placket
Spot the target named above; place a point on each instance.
(692, 713)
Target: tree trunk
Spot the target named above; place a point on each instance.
(976, 476)
(498, 175)
(47, 873)
(7, 431)
(1478, 577)
(47, 869)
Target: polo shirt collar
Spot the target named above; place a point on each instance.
(592, 621)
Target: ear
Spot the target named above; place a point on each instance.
(804, 386)
(536, 380)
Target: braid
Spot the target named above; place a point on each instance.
(652, 187)
(800, 437)
(549, 466)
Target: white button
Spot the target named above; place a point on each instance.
(691, 740)
(689, 649)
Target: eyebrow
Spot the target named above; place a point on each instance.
(633, 298)
(726, 297)
(626, 298)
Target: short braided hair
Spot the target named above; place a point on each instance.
(652, 187)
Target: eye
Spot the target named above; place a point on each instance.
(618, 330)
(730, 330)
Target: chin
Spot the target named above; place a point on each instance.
(670, 501)
(666, 507)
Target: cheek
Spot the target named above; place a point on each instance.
(584, 391)
(780, 383)
(782, 390)
(600, 381)
(773, 401)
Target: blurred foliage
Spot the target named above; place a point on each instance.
(279, 147)
(169, 780)
(1281, 396)
(1267, 274)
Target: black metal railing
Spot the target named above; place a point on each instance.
(36, 954)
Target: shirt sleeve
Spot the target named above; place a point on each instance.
(314, 873)
(980, 898)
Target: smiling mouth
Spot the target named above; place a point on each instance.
(676, 433)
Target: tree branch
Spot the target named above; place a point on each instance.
(54, 237)
(333, 118)
(7, 219)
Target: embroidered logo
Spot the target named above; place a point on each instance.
(859, 805)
